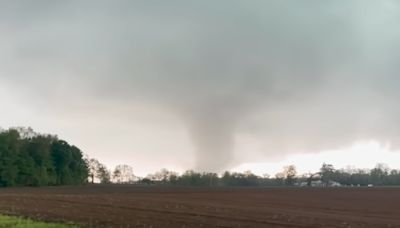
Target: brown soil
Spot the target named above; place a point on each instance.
(132, 206)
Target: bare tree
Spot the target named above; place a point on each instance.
(123, 174)
(97, 170)
(290, 173)
(103, 174)
(93, 166)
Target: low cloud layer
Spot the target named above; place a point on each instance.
(287, 76)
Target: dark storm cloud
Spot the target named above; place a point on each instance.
(300, 76)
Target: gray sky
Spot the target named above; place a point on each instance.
(202, 84)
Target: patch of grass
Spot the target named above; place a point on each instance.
(16, 222)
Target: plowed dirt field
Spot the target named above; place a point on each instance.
(135, 206)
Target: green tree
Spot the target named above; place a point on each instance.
(31, 159)
(327, 172)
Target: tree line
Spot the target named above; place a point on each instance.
(380, 175)
(327, 176)
(31, 159)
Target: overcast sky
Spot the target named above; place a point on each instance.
(209, 85)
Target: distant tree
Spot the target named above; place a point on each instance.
(116, 176)
(379, 174)
(361, 177)
(161, 176)
(93, 166)
(290, 173)
(123, 174)
(190, 178)
(287, 176)
(209, 179)
(103, 174)
(227, 179)
(280, 178)
(394, 177)
(239, 179)
(327, 172)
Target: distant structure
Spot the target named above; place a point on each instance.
(319, 183)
